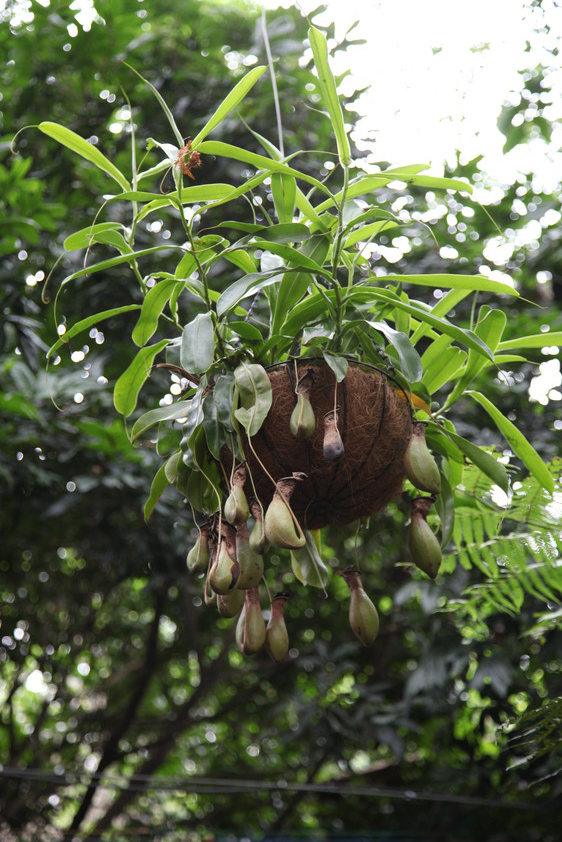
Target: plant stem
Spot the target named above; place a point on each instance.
(338, 240)
(273, 82)
(336, 252)
(200, 269)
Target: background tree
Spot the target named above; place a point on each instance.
(120, 692)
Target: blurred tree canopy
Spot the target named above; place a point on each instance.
(127, 710)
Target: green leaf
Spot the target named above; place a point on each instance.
(339, 365)
(171, 467)
(367, 232)
(128, 386)
(156, 299)
(284, 192)
(307, 565)
(243, 287)
(410, 362)
(365, 184)
(490, 329)
(212, 427)
(230, 102)
(535, 340)
(260, 162)
(445, 506)
(115, 261)
(444, 369)
(288, 232)
(255, 395)
(83, 238)
(466, 337)
(241, 259)
(156, 416)
(223, 398)
(198, 344)
(163, 105)
(159, 485)
(246, 331)
(443, 306)
(294, 257)
(77, 144)
(294, 285)
(329, 93)
(86, 324)
(517, 442)
(483, 460)
(473, 283)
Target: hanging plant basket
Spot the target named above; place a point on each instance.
(374, 423)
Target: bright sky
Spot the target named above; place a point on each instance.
(439, 72)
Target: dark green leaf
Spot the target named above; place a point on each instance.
(152, 306)
(155, 416)
(483, 460)
(128, 386)
(159, 485)
(517, 442)
(82, 239)
(445, 505)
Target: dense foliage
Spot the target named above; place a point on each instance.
(111, 666)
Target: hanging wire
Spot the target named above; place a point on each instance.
(230, 786)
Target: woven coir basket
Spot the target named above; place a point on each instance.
(375, 426)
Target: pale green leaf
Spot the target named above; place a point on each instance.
(198, 344)
(254, 389)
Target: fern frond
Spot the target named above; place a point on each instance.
(536, 734)
(523, 561)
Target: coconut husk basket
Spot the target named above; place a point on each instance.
(375, 423)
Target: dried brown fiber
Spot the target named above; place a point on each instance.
(375, 425)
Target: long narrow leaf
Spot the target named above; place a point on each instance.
(227, 150)
(128, 386)
(163, 105)
(114, 261)
(159, 485)
(521, 447)
(81, 239)
(473, 283)
(77, 144)
(152, 306)
(536, 340)
(156, 416)
(482, 459)
(230, 102)
(329, 93)
(466, 337)
(367, 183)
(86, 324)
